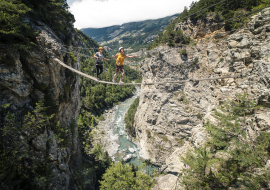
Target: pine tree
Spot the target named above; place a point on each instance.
(197, 174)
(122, 177)
(14, 29)
(19, 167)
(241, 153)
(118, 176)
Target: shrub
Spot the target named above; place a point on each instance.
(123, 176)
(231, 137)
(199, 116)
(221, 60)
(183, 52)
(148, 134)
(73, 58)
(181, 142)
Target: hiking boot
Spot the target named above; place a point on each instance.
(113, 80)
(121, 82)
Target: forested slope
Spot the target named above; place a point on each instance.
(174, 35)
(133, 36)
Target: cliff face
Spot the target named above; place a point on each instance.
(28, 76)
(170, 117)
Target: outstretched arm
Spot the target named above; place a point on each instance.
(131, 56)
(106, 59)
(115, 56)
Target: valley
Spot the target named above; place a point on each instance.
(133, 36)
(61, 130)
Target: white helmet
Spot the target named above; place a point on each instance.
(121, 48)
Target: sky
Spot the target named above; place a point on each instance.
(103, 13)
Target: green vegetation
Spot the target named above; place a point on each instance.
(148, 133)
(241, 158)
(199, 116)
(141, 33)
(165, 139)
(73, 58)
(183, 52)
(183, 98)
(17, 16)
(224, 11)
(19, 166)
(129, 117)
(170, 36)
(181, 142)
(123, 176)
(195, 63)
(93, 167)
(95, 96)
(221, 60)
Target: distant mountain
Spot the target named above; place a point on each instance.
(133, 35)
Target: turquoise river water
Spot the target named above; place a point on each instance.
(123, 141)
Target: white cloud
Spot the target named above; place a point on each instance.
(97, 14)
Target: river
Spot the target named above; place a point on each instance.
(125, 146)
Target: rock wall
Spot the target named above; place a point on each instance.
(170, 117)
(28, 76)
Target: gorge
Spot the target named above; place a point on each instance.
(60, 130)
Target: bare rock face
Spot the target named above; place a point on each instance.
(169, 119)
(30, 75)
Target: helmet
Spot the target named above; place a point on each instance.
(121, 48)
(100, 48)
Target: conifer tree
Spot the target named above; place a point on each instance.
(242, 154)
(122, 177)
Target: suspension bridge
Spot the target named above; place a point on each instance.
(163, 82)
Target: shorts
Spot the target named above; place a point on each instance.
(121, 67)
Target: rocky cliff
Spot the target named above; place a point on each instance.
(170, 117)
(26, 77)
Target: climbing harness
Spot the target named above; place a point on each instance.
(108, 49)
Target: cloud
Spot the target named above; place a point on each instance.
(102, 13)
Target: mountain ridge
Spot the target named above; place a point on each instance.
(129, 35)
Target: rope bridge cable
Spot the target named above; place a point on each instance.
(145, 83)
(83, 55)
(152, 83)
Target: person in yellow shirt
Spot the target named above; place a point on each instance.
(120, 58)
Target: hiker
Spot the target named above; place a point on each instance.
(99, 63)
(120, 63)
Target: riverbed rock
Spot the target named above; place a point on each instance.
(131, 150)
(127, 157)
